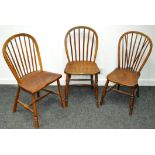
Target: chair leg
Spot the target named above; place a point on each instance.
(35, 113)
(104, 92)
(66, 89)
(38, 94)
(16, 98)
(92, 81)
(137, 91)
(132, 100)
(60, 94)
(96, 90)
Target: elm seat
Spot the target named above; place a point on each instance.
(134, 49)
(80, 68)
(22, 55)
(124, 77)
(81, 45)
(35, 81)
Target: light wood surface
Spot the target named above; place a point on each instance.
(81, 45)
(134, 49)
(21, 53)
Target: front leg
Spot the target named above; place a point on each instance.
(96, 90)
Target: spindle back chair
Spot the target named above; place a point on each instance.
(81, 45)
(134, 49)
(21, 53)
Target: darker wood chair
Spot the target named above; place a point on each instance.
(21, 53)
(81, 45)
(134, 49)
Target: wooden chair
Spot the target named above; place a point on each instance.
(134, 49)
(21, 53)
(81, 45)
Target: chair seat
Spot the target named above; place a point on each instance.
(124, 77)
(82, 68)
(36, 81)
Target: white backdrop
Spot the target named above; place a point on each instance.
(51, 42)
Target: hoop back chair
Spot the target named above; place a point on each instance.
(134, 49)
(21, 53)
(81, 45)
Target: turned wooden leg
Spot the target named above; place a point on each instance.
(60, 94)
(132, 100)
(104, 92)
(35, 113)
(96, 90)
(16, 98)
(66, 89)
(38, 94)
(137, 92)
(92, 81)
(118, 86)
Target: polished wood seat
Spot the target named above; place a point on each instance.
(134, 49)
(124, 77)
(81, 45)
(35, 81)
(21, 53)
(80, 68)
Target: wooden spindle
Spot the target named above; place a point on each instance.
(123, 52)
(35, 57)
(79, 46)
(18, 65)
(27, 54)
(140, 57)
(23, 55)
(20, 56)
(32, 63)
(136, 53)
(130, 50)
(71, 46)
(87, 45)
(126, 52)
(13, 61)
(92, 47)
(133, 52)
(75, 46)
(83, 43)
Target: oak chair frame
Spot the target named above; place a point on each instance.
(81, 55)
(132, 63)
(25, 64)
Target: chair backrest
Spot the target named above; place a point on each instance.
(134, 49)
(81, 44)
(21, 53)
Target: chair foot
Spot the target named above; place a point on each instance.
(36, 123)
(104, 92)
(16, 98)
(35, 113)
(131, 106)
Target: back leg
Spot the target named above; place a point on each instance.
(104, 92)
(16, 99)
